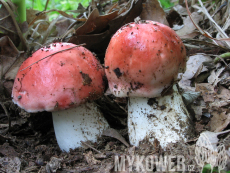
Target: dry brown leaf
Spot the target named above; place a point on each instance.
(99, 42)
(91, 40)
(53, 164)
(10, 58)
(90, 158)
(180, 9)
(193, 68)
(214, 77)
(6, 23)
(31, 14)
(96, 23)
(12, 71)
(191, 35)
(62, 25)
(225, 79)
(9, 25)
(42, 20)
(10, 164)
(8, 85)
(193, 64)
(207, 91)
(153, 11)
(8, 54)
(222, 98)
(189, 28)
(219, 121)
(186, 85)
(114, 134)
(199, 109)
(224, 93)
(8, 150)
(105, 168)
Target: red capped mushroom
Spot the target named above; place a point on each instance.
(62, 78)
(142, 61)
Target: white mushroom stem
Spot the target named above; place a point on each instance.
(163, 118)
(83, 123)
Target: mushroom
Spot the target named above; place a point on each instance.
(63, 78)
(142, 62)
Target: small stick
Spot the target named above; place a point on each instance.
(90, 147)
(52, 54)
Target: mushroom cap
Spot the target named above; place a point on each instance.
(63, 80)
(143, 59)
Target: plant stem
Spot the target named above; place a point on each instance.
(21, 9)
(223, 56)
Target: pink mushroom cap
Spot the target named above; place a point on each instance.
(143, 59)
(54, 78)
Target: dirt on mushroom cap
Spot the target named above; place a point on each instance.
(63, 80)
(143, 59)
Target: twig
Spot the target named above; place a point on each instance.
(16, 25)
(111, 101)
(47, 2)
(90, 147)
(219, 29)
(51, 55)
(47, 33)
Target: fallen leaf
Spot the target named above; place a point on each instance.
(190, 96)
(13, 70)
(90, 158)
(53, 164)
(199, 127)
(7, 26)
(199, 109)
(7, 150)
(62, 25)
(96, 23)
(31, 16)
(8, 55)
(189, 27)
(99, 42)
(194, 67)
(219, 121)
(222, 98)
(152, 10)
(106, 168)
(8, 85)
(193, 64)
(224, 93)
(114, 134)
(174, 18)
(93, 41)
(214, 77)
(180, 10)
(207, 91)
(186, 85)
(9, 164)
(10, 58)
(225, 79)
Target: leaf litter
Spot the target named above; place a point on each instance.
(27, 141)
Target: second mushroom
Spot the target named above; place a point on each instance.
(142, 62)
